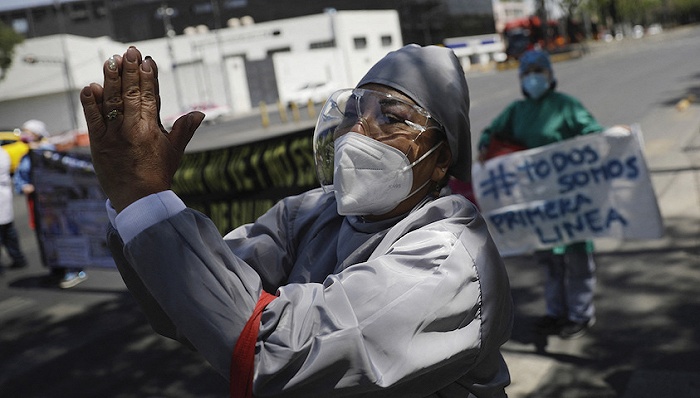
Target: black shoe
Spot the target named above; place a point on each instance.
(549, 325)
(574, 330)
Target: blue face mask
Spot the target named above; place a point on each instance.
(535, 84)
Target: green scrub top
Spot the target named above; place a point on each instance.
(551, 118)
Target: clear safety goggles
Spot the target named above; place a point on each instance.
(381, 116)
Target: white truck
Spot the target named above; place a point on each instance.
(477, 50)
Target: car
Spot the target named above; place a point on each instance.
(638, 31)
(317, 92)
(654, 29)
(214, 113)
(14, 146)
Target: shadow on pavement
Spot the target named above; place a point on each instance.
(105, 350)
(647, 310)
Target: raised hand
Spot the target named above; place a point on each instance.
(133, 155)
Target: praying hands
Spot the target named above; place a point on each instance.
(133, 155)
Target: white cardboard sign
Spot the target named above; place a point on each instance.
(592, 186)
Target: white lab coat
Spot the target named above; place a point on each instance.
(7, 214)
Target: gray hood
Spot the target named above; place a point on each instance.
(432, 77)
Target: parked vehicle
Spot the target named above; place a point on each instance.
(214, 113)
(317, 92)
(524, 34)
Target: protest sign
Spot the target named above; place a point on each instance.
(69, 210)
(592, 186)
(232, 184)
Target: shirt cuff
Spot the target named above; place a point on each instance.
(143, 213)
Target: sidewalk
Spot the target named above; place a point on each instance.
(646, 342)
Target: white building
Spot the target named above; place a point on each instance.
(508, 10)
(238, 66)
(484, 49)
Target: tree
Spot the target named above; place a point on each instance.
(569, 7)
(640, 11)
(685, 11)
(8, 40)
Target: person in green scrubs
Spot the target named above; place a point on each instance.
(545, 116)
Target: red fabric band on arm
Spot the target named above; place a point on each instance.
(243, 357)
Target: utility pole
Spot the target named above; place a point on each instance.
(67, 72)
(542, 15)
(166, 13)
(222, 61)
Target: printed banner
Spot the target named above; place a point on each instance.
(69, 210)
(592, 186)
(234, 185)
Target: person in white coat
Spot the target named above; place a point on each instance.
(8, 233)
(378, 284)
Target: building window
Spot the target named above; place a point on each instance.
(78, 12)
(202, 8)
(386, 41)
(99, 10)
(360, 42)
(38, 14)
(228, 4)
(278, 50)
(322, 44)
(20, 25)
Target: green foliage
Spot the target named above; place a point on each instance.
(8, 40)
(636, 11)
(569, 7)
(639, 11)
(686, 5)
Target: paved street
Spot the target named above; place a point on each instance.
(89, 341)
(646, 342)
(92, 340)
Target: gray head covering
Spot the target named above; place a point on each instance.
(432, 77)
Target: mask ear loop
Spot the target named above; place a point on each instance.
(425, 155)
(422, 130)
(406, 168)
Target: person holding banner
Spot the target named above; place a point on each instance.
(35, 133)
(543, 117)
(377, 284)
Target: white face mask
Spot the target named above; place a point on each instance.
(370, 177)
